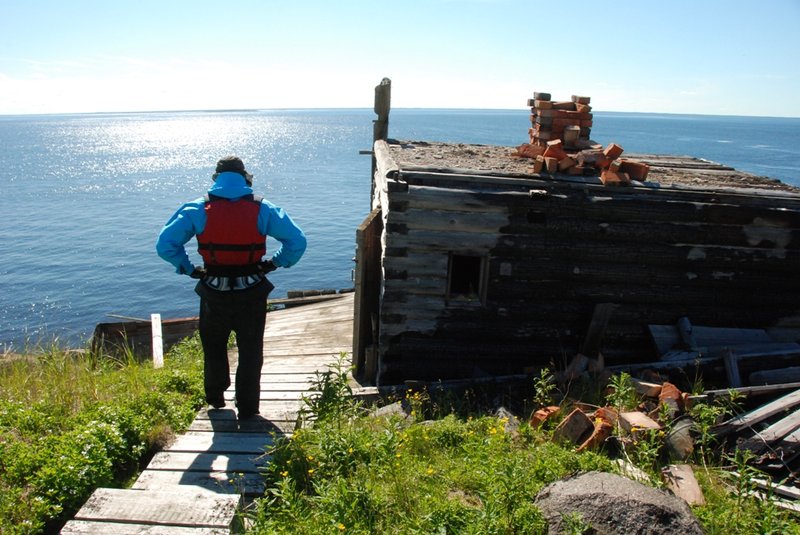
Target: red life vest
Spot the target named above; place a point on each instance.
(231, 237)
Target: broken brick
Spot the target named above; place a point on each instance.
(575, 428)
(541, 96)
(611, 178)
(566, 163)
(538, 164)
(540, 416)
(636, 170)
(613, 151)
(526, 150)
(551, 164)
(602, 430)
(635, 420)
(555, 150)
(581, 100)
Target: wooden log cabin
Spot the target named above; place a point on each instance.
(470, 263)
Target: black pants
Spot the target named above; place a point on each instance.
(244, 313)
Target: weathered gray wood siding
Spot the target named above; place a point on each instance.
(556, 249)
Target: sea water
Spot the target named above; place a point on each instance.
(84, 196)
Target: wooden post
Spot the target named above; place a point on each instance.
(383, 98)
(158, 341)
(731, 368)
(597, 328)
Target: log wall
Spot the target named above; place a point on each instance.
(554, 249)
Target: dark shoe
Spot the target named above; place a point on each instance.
(217, 403)
(247, 415)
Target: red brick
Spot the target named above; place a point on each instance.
(538, 164)
(610, 178)
(581, 100)
(551, 164)
(636, 170)
(541, 96)
(590, 157)
(558, 121)
(633, 421)
(542, 104)
(566, 163)
(575, 428)
(614, 166)
(569, 106)
(576, 170)
(526, 150)
(583, 108)
(613, 151)
(542, 415)
(555, 150)
(587, 123)
(602, 430)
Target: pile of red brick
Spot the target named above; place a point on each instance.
(569, 121)
(560, 143)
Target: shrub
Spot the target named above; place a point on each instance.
(70, 423)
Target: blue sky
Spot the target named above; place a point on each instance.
(726, 57)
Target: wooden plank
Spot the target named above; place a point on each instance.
(667, 338)
(282, 424)
(208, 462)
(765, 439)
(221, 442)
(770, 377)
(777, 489)
(83, 527)
(249, 483)
(760, 414)
(190, 506)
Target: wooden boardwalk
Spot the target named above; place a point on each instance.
(197, 484)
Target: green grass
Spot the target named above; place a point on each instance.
(355, 473)
(72, 421)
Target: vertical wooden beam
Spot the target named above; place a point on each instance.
(158, 341)
(367, 279)
(383, 98)
(597, 328)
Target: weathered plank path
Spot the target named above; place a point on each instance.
(197, 484)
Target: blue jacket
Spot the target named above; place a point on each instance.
(190, 220)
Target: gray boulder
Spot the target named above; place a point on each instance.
(608, 504)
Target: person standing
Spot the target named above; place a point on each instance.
(231, 226)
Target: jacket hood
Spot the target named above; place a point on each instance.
(230, 185)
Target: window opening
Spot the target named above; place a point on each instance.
(465, 277)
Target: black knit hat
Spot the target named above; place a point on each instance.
(233, 164)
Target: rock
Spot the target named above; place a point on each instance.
(614, 505)
(680, 440)
(395, 408)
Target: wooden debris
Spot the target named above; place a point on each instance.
(760, 414)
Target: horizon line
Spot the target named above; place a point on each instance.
(344, 108)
